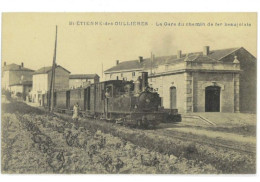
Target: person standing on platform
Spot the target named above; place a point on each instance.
(75, 116)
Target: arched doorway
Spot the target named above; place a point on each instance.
(212, 99)
(173, 98)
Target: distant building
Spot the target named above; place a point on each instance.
(23, 89)
(82, 80)
(42, 81)
(15, 74)
(208, 81)
(127, 70)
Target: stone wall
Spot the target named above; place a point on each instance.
(61, 79)
(248, 82)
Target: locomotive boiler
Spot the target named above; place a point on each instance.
(125, 102)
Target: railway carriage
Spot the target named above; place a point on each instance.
(76, 96)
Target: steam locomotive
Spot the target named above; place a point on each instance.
(125, 102)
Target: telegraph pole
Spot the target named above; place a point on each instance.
(102, 70)
(52, 86)
(152, 57)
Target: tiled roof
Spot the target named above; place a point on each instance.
(15, 67)
(214, 55)
(43, 70)
(83, 76)
(135, 64)
(47, 69)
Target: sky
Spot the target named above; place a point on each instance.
(30, 37)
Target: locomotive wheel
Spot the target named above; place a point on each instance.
(145, 123)
(152, 125)
(142, 124)
(139, 123)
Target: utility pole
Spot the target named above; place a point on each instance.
(52, 86)
(102, 70)
(152, 57)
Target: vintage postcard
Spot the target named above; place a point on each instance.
(128, 93)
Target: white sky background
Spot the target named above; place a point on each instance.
(125, 6)
(30, 37)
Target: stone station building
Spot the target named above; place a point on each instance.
(208, 81)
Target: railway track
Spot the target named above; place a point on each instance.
(196, 139)
(202, 119)
(192, 138)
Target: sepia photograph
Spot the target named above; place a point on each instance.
(128, 93)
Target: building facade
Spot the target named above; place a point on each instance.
(42, 81)
(14, 74)
(21, 89)
(82, 80)
(208, 81)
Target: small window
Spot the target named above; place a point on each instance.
(110, 75)
(122, 74)
(133, 73)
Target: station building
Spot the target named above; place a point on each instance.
(207, 81)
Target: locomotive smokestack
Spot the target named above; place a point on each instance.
(137, 85)
(144, 80)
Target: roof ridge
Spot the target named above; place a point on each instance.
(235, 49)
(214, 55)
(15, 67)
(46, 69)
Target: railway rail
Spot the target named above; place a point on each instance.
(250, 149)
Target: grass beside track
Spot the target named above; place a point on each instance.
(225, 160)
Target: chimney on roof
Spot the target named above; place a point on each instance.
(22, 64)
(4, 63)
(206, 50)
(117, 62)
(141, 59)
(178, 54)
